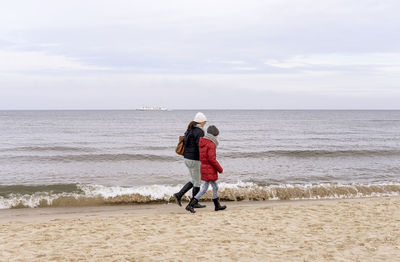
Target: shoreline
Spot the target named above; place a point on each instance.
(42, 214)
(357, 229)
(48, 213)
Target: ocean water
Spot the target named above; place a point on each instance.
(62, 158)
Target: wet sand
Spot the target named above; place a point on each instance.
(322, 230)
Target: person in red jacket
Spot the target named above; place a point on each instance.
(209, 168)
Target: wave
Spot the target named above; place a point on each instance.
(155, 148)
(222, 155)
(97, 157)
(32, 189)
(311, 153)
(48, 148)
(93, 195)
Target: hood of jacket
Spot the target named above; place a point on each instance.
(204, 141)
(212, 139)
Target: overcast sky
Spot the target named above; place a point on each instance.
(253, 54)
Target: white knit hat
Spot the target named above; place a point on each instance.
(200, 117)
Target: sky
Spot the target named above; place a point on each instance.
(253, 54)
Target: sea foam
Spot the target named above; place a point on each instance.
(88, 195)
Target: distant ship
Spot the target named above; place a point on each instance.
(152, 108)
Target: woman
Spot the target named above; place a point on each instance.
(192, 157)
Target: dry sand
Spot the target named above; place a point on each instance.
(322, 230)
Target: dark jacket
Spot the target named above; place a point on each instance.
(208, 156)
(191, 142)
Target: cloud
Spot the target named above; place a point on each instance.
(243, 68)
(377, 62)
(118, 53)
(176, 36)
(211, 61)
(31, 61)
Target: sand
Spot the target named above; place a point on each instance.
(321, 230)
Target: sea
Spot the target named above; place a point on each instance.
(108, 157)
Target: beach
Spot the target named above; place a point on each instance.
(365, 229)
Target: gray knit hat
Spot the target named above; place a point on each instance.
(213, 130)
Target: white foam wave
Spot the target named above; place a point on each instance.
(100, 194)
(155, 192)
(34, 200)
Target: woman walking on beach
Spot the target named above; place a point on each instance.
(192, 157)
(209, 168)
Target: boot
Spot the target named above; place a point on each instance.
(218, 205)
(196, 190)
(190, 206)
(178, 196)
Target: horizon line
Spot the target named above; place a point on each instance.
(214, 109)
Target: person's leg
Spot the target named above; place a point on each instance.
(195, 173)
(203, 190)
(196, 180)
(178, 196)
(194, 201)
(215, 189)
(215, 197)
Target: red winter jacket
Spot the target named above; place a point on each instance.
(209, 164)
